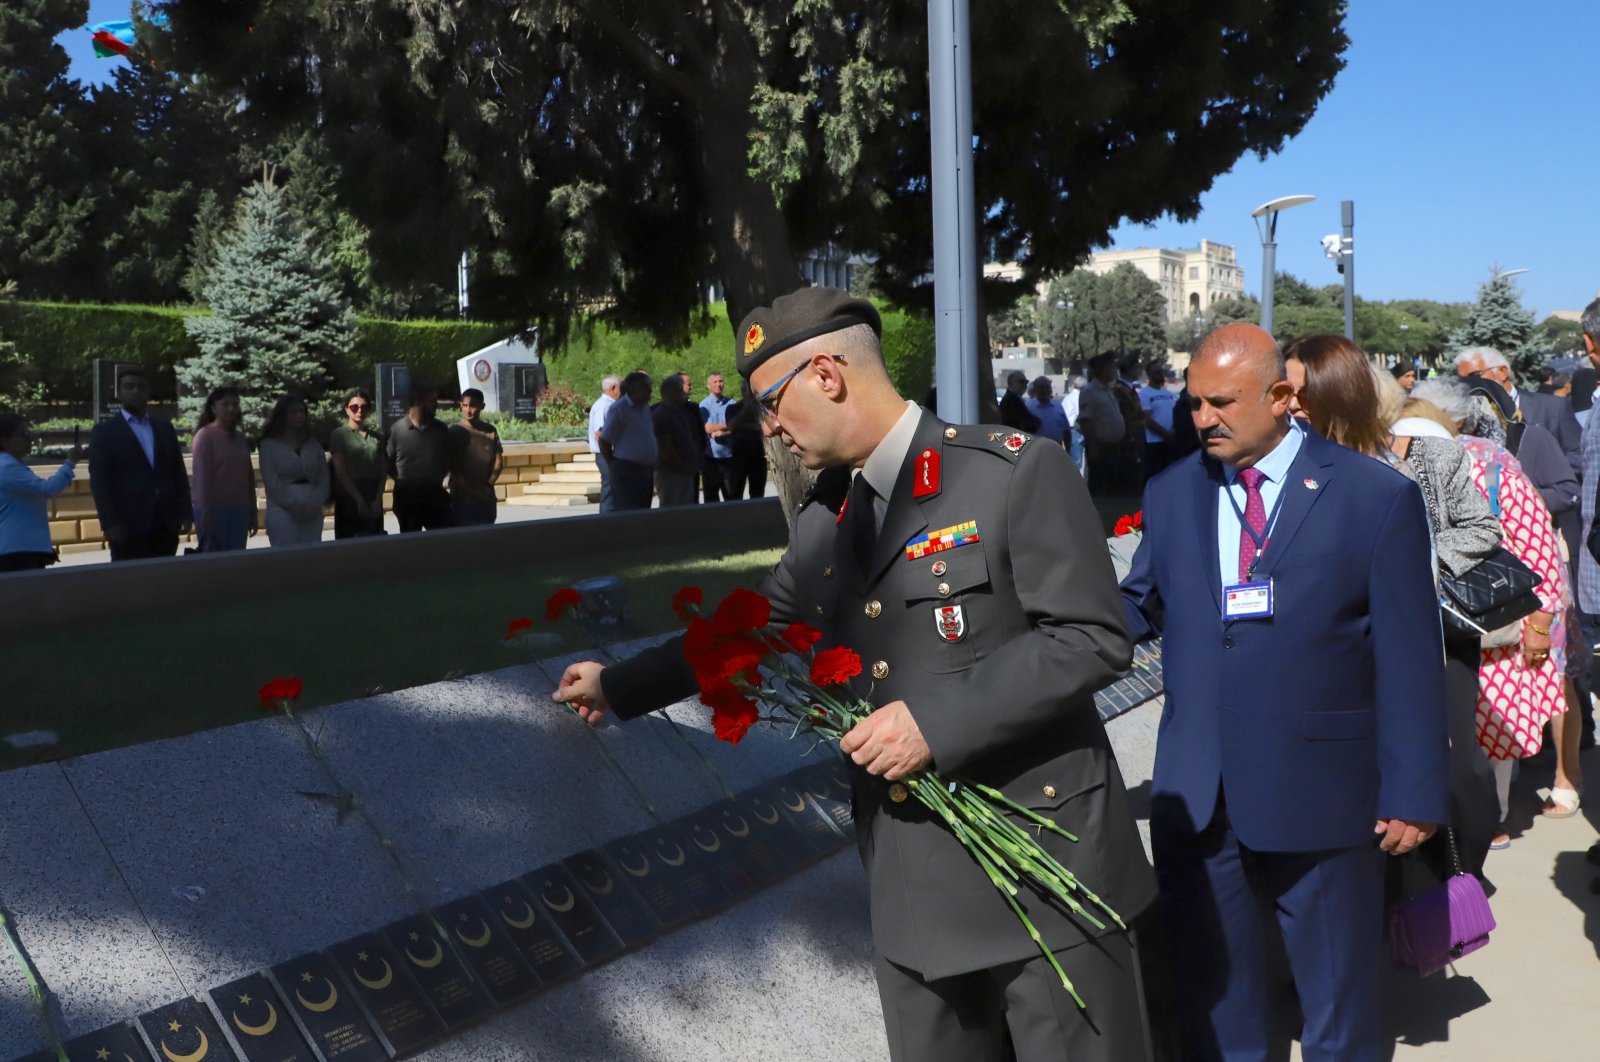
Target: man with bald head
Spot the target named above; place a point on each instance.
(968, 568)
(1303, 735)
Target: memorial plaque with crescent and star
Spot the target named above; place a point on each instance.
(393, 1003)
(259, 1021)
(483, 942)
(815, 829)
(707, 842)
(771, 827)
(321, 1004)
(115, 1043)
(428, 956)
(185, 1031)
(737, 830)
(622, 909)
(672, 855)
(532, 930)
(560, 899)
(651, 880)
(827, 784)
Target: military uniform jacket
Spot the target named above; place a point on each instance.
(997, 646)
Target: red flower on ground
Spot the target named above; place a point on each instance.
(518, 626)
(835, 666)
(559, 602)
(1124, 526)
(801, 637)
(686, 602)
(275, 693)
(743, 610)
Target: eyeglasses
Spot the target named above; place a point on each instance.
(768, 399)
(358, 407)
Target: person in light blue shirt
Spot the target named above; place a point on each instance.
(718, 472)
(1042, 403)
(1158, 404)
(25, 499)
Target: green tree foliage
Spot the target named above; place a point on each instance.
(1014, 325)
(19, 384)
(45, 199)
(625, 154)
(1560, 336)
(1497, 319)
(1131, 312)
(277, 323)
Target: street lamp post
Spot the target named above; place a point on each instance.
(1266, 216)
(955, 255)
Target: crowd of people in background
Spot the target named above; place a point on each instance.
(676, 450)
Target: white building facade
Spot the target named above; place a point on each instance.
(1191, 279)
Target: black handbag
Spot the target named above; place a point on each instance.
(1494, 593)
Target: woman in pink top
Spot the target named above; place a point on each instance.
(224, 485)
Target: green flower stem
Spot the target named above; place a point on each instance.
(638, 794)
(705, 760)
(36, 985)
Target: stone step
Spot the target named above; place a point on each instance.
(584, 458)
(566, 475)
(556, 490)
(555, 500)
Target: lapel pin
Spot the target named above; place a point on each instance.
(1311, 484)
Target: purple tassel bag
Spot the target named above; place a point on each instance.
(1435, 929)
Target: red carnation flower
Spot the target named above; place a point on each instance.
(686, 602)
(1138, 520)
(835, 666)
(732, 715)
(518, 626)
(734, 658)
(698, 640)
(560, 601)
(801, 636)
(1124, 526)
(742, 610)
(276, 693)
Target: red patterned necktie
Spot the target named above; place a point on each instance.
(1255, 514)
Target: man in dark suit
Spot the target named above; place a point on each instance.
(137, 477)
(1550, 412)
(983, 657)
(1304, 727)
(1014, 412)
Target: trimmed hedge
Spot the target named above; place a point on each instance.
(62, 339)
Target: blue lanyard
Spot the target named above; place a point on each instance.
(1245, 528)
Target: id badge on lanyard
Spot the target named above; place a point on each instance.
(1250, 598)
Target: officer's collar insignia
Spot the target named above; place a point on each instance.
(754, 338)
(962, 534)
(927, 474)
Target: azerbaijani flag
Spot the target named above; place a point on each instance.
(117, 38)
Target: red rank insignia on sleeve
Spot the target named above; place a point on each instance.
(927, 475)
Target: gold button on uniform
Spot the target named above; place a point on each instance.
(873, 609)
(827, 573)
(898, 793)
(944, 589)
(880, 670)
(1050, 792)
(939, 568)
(949, 433)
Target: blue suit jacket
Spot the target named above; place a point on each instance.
(1331, 714)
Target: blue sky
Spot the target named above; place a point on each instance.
(1464, 131)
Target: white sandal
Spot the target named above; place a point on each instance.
(1559, 802)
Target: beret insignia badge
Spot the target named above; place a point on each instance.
(754, 338)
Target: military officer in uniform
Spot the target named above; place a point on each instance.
(968, 567)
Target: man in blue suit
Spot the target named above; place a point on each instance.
(1304, 728)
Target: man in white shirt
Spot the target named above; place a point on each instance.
(1070, 403)
(628, 443)
(610, 389)
(1043, 404)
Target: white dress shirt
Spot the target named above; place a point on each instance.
(1275, 466)
(145, 433)
(597, 420)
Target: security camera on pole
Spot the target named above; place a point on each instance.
(1342, 249)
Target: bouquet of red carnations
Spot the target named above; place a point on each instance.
(743, 665)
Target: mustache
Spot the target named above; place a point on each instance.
(1216, 432)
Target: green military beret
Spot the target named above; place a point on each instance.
(794, 318)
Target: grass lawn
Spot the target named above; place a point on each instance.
(133, 678)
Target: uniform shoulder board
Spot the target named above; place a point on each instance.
(994, 438)
(829, 488)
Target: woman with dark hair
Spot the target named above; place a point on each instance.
(25, 499)
(224, 485)
(295, 471)
(1337, 390)
(358, 477)
(1405, 374)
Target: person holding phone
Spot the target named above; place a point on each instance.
(25, 499)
